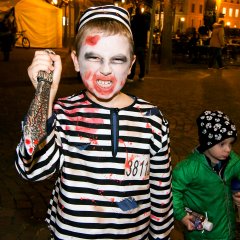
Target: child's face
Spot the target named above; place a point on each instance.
(104, 63)
(220, 151)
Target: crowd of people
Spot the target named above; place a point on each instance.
(111, 150)
(209, 46)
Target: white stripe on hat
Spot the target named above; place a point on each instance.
(107, 11)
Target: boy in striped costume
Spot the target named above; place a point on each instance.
(110, 150)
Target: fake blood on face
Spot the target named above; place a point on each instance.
(104, 90)
(92, 40)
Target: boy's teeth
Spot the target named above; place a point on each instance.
(104, 83)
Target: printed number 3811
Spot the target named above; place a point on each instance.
(137, 168)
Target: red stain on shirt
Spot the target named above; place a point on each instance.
(94, 141)
(86, 130)
(101, 192)
(67, 128)
(127, 166)
(27, 141)
(148, 125)
(30, 150)
(155, 218)
(92, 40)
(83, 198)
(73, 115)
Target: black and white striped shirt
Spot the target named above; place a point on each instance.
(114, 170)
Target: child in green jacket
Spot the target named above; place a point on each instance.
(202, 182)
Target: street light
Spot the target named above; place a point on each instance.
(182, 20)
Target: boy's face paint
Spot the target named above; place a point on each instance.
(104, 63)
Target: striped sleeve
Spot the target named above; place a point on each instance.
(161, 221)
(44, 161)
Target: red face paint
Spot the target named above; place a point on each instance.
(92, 40)
(104, 90)
(87, 75)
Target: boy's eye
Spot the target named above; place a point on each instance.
(93, 58)
(119, 60)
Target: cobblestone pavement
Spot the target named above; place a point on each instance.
(181, 93)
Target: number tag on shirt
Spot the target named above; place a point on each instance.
(137, 169)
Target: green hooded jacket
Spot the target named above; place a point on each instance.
(197, 186)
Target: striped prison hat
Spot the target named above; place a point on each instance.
(107, 11)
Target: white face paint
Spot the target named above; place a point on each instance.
(104, 64)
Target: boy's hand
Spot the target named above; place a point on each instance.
(49, 62)
(45, 61)
(236, 199)
(188, 222)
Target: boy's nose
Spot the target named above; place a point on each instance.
(105, 69)
(228, 148)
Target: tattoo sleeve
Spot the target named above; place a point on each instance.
(34, 129)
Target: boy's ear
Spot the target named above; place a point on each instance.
(75, 61)
(134, 59)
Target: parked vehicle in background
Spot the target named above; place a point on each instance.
(25, 40)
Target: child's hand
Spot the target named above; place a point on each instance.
(45, 61)
(236, 198)
(188, 222)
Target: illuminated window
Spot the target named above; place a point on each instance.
(230, 12)
(236, 12)
(224, 10)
